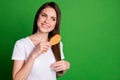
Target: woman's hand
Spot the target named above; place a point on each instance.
(40, 48)
(60, 66)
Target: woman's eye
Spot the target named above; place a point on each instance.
(53, 19)
(43, 15)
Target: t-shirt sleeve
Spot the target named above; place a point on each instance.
(61, 49)
(18, 51)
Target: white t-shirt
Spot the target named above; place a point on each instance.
(41, 69)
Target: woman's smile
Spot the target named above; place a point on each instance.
(44, 25)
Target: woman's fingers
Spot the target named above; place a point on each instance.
(60, 65)
(44, 46)
(58, 68)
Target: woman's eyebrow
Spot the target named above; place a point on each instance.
(43, 13)
(53, 17)
(47, 14)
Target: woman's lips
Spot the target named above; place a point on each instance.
(44, 25)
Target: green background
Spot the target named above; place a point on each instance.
(90, 31)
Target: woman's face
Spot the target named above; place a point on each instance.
(47, 20)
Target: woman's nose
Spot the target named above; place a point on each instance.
(47, 20)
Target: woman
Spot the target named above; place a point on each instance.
(34, 57)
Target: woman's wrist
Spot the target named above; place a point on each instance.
(32, 56)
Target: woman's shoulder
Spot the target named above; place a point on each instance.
(22, 40)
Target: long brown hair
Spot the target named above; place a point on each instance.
(55, 48)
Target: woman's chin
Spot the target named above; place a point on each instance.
(45, 31)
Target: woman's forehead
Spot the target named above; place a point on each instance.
(49, 11)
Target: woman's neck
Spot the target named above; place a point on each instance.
(40, 36)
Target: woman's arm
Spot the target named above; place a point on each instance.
(21, 69)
